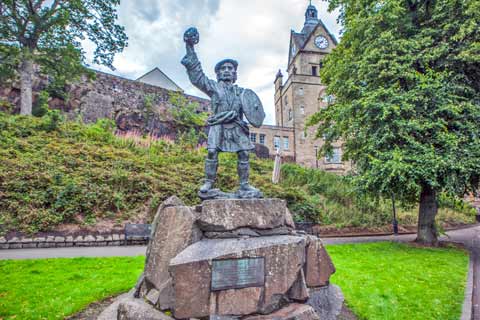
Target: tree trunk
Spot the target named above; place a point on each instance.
(427, 232)
(26, 75)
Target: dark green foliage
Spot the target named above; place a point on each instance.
(10, 59)
(406, 80)
(185, 113)
(334, 199)
(188, 120)
(326, 198)
(6, 106)
(52, 120)
(40, 108)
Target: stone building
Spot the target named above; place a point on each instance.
(301, 95)
(275, 137)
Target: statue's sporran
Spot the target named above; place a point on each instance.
(228, 132)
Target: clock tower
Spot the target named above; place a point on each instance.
(303, 94)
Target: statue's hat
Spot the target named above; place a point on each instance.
(221, 63)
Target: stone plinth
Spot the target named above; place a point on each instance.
(232, 214)
(230, 260)
(192, 275)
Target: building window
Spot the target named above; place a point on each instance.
(290, 114)
(276, 142)
(300, 91)
(253, 137)
(262, 138)
(314, 71)
(335, 157)
(286, 145)
(321, 64)
(285, 100)
(302, 109)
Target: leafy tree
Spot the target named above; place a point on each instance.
(406, 80)
(48, 33)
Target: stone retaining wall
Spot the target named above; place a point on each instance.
(69, 241)
(109, 96)
(114, 239)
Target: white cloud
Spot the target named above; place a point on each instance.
(256, 33)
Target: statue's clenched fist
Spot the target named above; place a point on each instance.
(191, 36)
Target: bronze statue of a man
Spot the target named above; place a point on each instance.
(228, 131)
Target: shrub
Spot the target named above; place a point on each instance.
(40, 108)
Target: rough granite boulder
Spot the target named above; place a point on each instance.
(319, 266)
(231, 214)
(293, 311)
(110, 312)
(173, 230)
(191, 270)
(327, 301)
(137, 309)
(299, 290)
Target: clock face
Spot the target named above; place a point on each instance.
(321, 42)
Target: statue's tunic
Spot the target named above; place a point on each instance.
(228, 132)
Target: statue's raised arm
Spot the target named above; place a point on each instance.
(192, 64)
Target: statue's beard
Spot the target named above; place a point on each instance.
(227, 77)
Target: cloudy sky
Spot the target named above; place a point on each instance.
(254, 32)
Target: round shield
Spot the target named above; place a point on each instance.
(252, 108)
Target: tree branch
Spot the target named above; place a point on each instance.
(48, 15)
(38, 4)
(21, 25)
(44, 22)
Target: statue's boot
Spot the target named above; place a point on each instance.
(243, 169)
(210, 175)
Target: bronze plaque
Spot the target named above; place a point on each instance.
(238, 273)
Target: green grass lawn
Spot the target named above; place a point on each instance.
(379, 281)
(55, 288)
(397, 281)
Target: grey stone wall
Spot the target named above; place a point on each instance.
(60, 241)
(109, 96)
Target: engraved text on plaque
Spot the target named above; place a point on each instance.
(238, 273)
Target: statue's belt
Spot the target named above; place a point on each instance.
(227, 117)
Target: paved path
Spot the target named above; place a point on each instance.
(470, 237)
